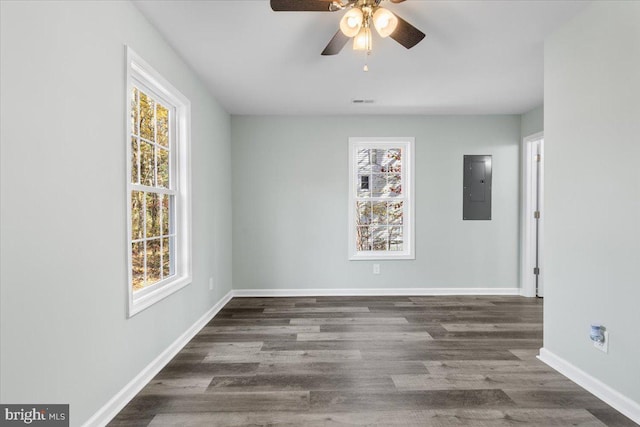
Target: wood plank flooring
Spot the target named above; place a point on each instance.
(375, 361)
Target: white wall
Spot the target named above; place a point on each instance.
(290, 203)
(65, 336)
(592, 125)
(532, 122)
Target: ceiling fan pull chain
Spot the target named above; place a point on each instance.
(366, 59)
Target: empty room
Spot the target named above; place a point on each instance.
(319, 213)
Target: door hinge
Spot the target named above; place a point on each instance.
(538, 157)
(536, 214)
(536, 271)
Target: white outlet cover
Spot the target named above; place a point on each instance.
(603, 346)
(376, 268)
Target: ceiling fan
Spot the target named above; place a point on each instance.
(356, 23)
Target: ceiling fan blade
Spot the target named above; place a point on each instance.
(406, 34)
(336, 44)
(300, 5)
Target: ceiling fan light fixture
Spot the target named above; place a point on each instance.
(351, 22)
(363, 40)
(356, 23)
(385, 22)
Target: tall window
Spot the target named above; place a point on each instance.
(381, 198)
(158, 196)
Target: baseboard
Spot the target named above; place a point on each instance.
(120, 400)
(596, 387)
(526, 293)
(373, 292)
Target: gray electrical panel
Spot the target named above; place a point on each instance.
(476, 201)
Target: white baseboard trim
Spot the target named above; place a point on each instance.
(525, 293)
(120, 400)
(373, 292)
(593, 385)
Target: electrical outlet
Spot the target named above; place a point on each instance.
(376, 268)
(210, 283)
(604, 345)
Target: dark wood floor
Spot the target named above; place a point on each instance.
(387, 361)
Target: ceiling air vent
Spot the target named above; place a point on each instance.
(362, 101)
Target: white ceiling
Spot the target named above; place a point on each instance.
(479, 57)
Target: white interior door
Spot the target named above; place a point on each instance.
(539, 221)
(532, 272)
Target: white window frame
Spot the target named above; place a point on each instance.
(408, 162)
(142, 75)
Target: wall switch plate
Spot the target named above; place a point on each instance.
(210, 283)
(376, 268)
(604, 345)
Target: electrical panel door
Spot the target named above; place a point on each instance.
(477, 188)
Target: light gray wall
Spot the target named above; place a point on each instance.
(532, 122)
(290, 203)
(592, 124)
(65, 337)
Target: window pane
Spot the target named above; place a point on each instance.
(147, 122)
(395, 212)
(363, 161)
(134, 160)
(167, 264)
(147, 164)
(392, 161)
(394, 185)
(378, 184)
(153, 261)
(134, 112)
(153, 214)
(363, 238)
(137, 215)
(395, 238)
(162, 128)
(376, 156)
(379, 212)
(363, 212)
(137, 265)
(166, 213)
(163, 167)
(379, 236)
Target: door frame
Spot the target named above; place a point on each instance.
(528, 223)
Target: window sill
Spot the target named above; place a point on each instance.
(136, 305)
(381, 256)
